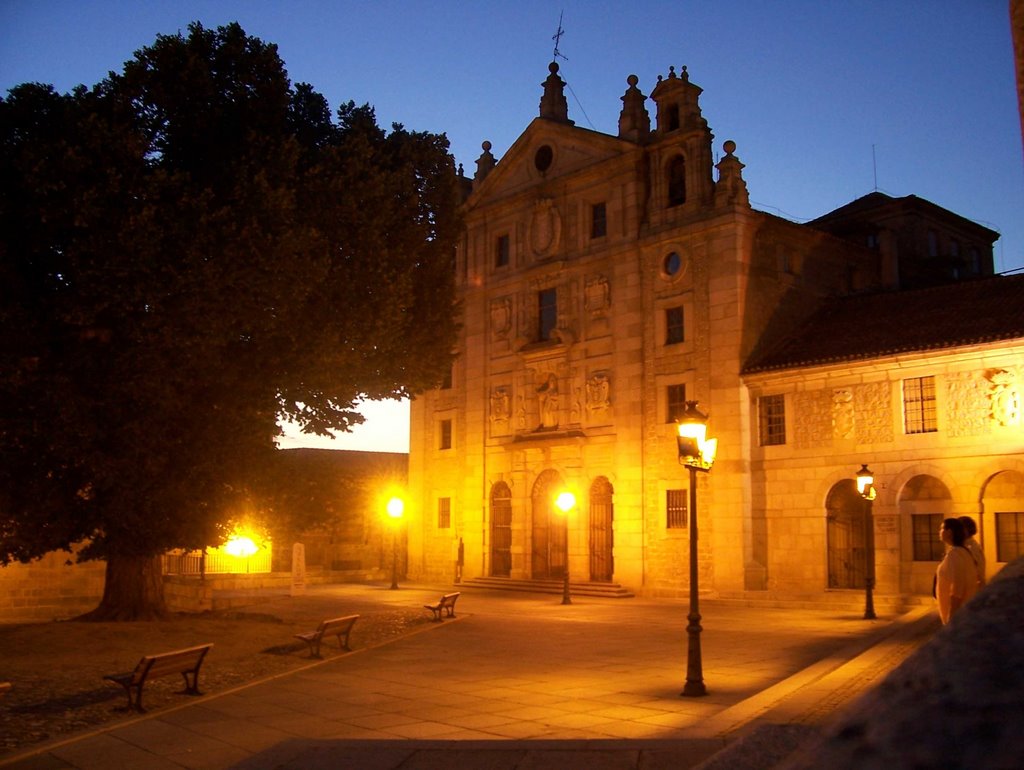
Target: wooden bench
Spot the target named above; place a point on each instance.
(185, 662)
(339, 627)
(4, 687)
(446, 604)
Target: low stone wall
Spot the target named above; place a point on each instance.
(957, 702)
(49, 589)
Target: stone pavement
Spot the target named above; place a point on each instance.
(522, 681)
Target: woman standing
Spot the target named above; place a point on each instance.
(956, 578)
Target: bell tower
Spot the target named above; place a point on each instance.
(684, 163)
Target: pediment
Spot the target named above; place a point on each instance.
(544, 152)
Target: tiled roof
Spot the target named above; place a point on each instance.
(867, 326)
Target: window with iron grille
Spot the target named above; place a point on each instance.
(1009, 535)
(676, 402)
(547, 310)
(444, 512)
(675, 508)
(501, 251)
(673, 325)
(771, 411)
(919, 405)
(445, 434)
(598, 220)
(927, 544)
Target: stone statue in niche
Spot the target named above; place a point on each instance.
(501, 317)
(1005, 397)
(842, 413)
(597, 295)
(547, 394)
(501, 408)
(521, 412)
(598, 392)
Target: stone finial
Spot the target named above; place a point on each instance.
(553, 105)
(484, 163)
(634, 122)
(730, 189)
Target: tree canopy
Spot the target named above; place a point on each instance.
(191, 250)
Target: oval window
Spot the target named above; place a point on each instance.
(542, 160)
(673, 264)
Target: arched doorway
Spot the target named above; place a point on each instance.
(501, 530)
(549, 528)
(845, 512)
(601, 533)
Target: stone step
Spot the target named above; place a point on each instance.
(608, 590)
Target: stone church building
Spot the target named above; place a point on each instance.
(606, 280)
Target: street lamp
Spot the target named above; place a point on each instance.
(697, 453)
(565, 502)
(395, 508)
(866, 488)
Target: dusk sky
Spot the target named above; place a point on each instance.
(825, 101)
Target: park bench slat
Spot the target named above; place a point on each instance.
(339, 627)
(185, 662)
(445, 605)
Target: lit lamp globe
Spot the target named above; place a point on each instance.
(395, 507)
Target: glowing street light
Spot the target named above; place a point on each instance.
(866, 488)
(395, 508)
(697, 453)
(565, 502)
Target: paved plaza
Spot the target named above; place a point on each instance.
(520, 681)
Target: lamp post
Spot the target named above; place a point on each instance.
(565, 502)
(697, 453)
(395, 509)
(866, 488)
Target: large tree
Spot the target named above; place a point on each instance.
(191, 250)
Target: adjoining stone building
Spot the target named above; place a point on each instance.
(606, 280)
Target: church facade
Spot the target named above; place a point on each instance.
(606, 280)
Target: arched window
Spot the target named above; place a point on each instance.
(677, 181)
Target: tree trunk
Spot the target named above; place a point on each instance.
(133, 590)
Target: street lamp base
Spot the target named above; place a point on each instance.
(694, 689)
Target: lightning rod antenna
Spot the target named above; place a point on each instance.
(557, 37)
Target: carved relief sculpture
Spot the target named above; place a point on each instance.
(501, 410)
(545, 227)
(597, 295)
(598, 392)
(501, 317)
(1005, 397)
(842, 413)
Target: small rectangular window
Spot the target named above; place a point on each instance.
(444, 512)
(598, 220)
(927, 545)
(933, 243)
(675, 508)
(446, 383)
(444, 434)
(771, 411)
(673, 325)
(919, 405)
(547, 307)
(1009, 535)
(502, 252)
(676, 402)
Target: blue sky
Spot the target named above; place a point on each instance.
(825, 101)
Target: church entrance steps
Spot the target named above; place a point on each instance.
(607, 590)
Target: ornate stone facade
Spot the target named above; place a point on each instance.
(604, 278)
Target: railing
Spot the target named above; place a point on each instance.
(215, 562)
